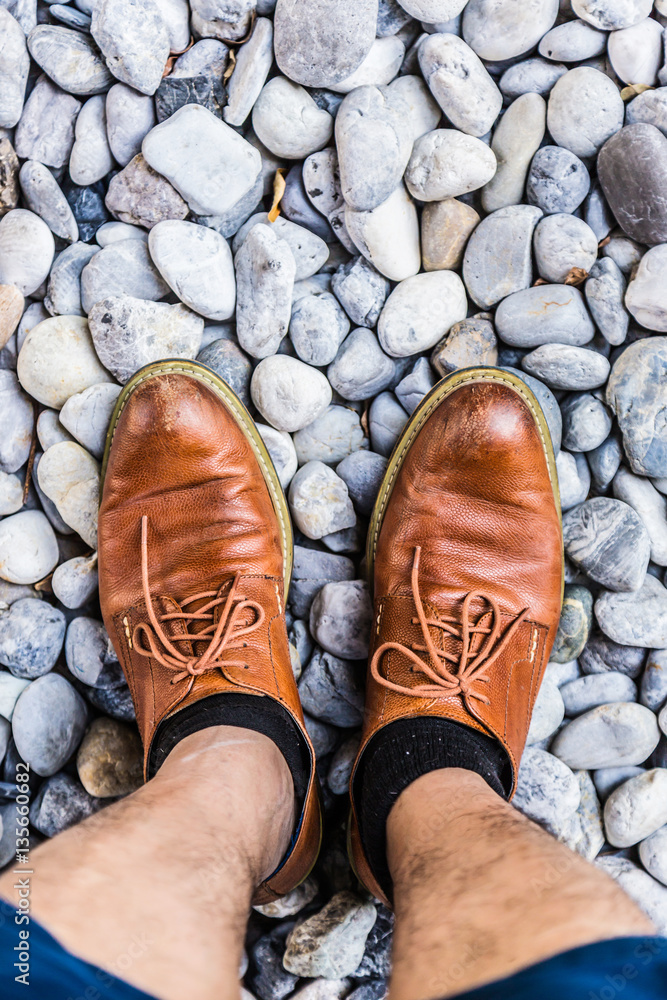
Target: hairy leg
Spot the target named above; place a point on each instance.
(481, 892)
(156, 888)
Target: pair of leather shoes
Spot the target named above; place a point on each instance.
(195, 555)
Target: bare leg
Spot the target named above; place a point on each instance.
(156, 889)
(480, 891)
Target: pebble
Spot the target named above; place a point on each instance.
(637, 393)
(653, 692)
(321, 42)
(331, 437)
(413, 387)
(268, 979)
(586, 422)
(288, 122)
(340, 621)
(361, 368)
(361, 290)
(130, 332)
(10, 689)
(130, 116)
(646, 296)
(197, 264)
(632, 168)
(515, 141)
(70, 58)
(265, 270)
(649, 895)
(74, 582)
(28, 547)
(445, 229)
(362, 472)
(637, 808)
(14, 69)
(608, 541)
(58, 359)
(420, 311)
(374, 141)
(46, 130)
(109, 761)
(331, 942)
(253, 62)
(292, 903)
(31, 637)
(329, 689)
(584, 833)
(561, 243)
(48, 723)
(9, 174)
(563, 366)
(297, 207)
(597, 214)
(319, 501)
(60, 803)
(530, 76)
(572, 41)
(636, 53)
(123, 268)
(16, 423)
(281, 449)
(557, 181)
(605, 296)
(340, 769)
(26, 250)
(115, 232)
(574, 479)
(468, 343)
(602, 654)
(288, 393)
(312, 570)
(652, 854)
(174, 93)
(424, 112)
(548, 713)
(594, 690)
(43, 196)
(11, 494)
(69, 476)
(638, 618)
(609, 778)
(612, 14)
(446, 163)
(211, 166)
(650, 505)
(576, 619)
(498, 259)
(310, 252)
(139, 196)
(650, 107)
(585, 109)
(318, 327)
(87, 204)
(497, 32)
(608, 736)
(547, 791)
(378, 68)
(63, 297)
(460, 83)
(228, 361)
(547, 314)
(133, 40)
(388, 236)
(86, 415)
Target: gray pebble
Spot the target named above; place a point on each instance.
(547, 790)
(123, 268)
(330, 690)
(296, 206)
(632, 168)
(70, 58)
(516, 139)
(586, 422)
(86, 415)
(196, 263)
(605, 295)
(312, 570)
(650, 505)
(340, 769)
(361, 290)
(498, 258)
(49, 721)
(653, 692)
(340, 620)
(265, 272)
(447, 163)
(563, 366)
(14, 69)
(548, 713)
(468, 343)
(361, 368)
(42, 195)
(74, 582)
(362, 472)
(46, 129)
(574, 479)
(608, 736)
(530, 76)
(130, 332)
(637, 393)
(386, 418)
(460, 83)
(129, 116)
(310, 252)
(139, 196)
(625, 253)
(636, 53)
(420, 311)
(331, 437)
(319, 501)
(253, 62)
(288, 393)
(602, 654)
(10, 689)
(605, 460)
(597, 213)
(228, 361)
(134, 41)
(585, 109)
(413, 387)
(331, 942)
(653, 854)
(608, 541)
(557, 180)
(16, 423)
(561, 243)
(318, 327)
(547, 314)
(649, 895)
(635, 619)
(606, 779)
(63, 297)
(649, 108)
(597, 689)
(31, 637)
(60, 803)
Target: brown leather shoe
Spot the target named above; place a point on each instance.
(465, 558)
(195, 555)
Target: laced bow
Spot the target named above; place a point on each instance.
(228, 634)
(470, 667)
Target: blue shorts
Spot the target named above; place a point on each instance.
(631, 968)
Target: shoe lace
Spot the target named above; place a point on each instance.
(470, 667)
(228, 634)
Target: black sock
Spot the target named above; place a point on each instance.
(399, 754)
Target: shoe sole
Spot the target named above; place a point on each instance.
(428, 405)
(201, 373)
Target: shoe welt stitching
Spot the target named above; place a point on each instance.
(420, 423)
(240, 418)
